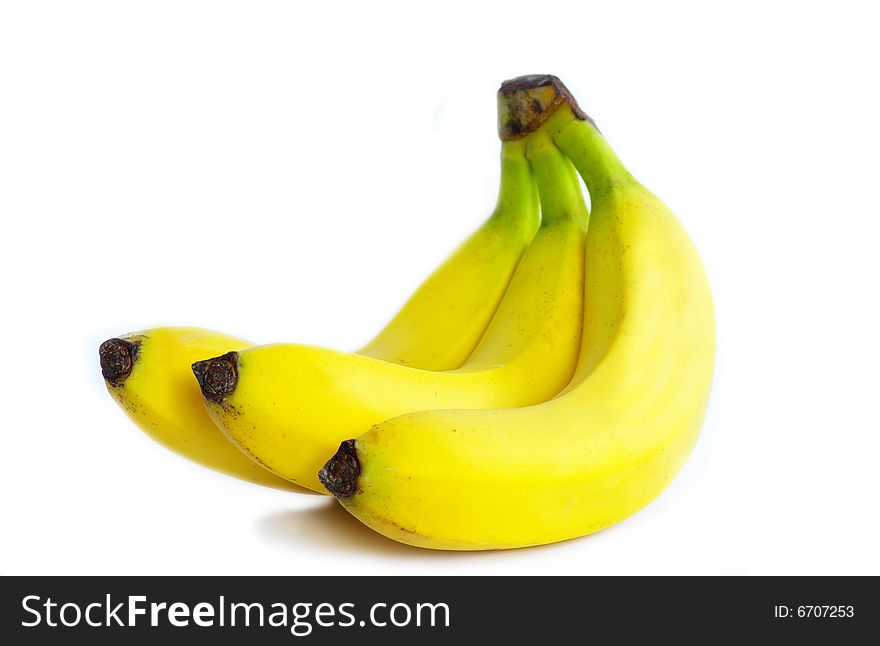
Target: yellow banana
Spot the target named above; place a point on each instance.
(288, 406)
(615, 437)
(148, 374)
(435, 330)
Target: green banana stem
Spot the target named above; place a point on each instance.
(558, 186)
(590, 153)
(517, 207)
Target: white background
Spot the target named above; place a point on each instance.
(291, 171)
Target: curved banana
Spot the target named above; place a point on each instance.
(148, 374)
(615, 437)
(435, 330)
(289, 406)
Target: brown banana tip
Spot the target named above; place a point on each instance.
(217, 377)
(340, 475)
(526, 102)
(117, 358)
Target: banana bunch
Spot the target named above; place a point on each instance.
(548, 380)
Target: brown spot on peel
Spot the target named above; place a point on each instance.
(117, 358)
(526, 102)
(340, 475)
(217, 377)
